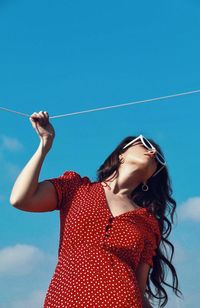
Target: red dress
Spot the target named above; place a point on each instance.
(98, 253)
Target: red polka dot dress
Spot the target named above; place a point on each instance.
(98, 253)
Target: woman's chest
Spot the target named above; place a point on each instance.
(118, 206)
(90, 221)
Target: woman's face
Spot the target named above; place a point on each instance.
(138, 154)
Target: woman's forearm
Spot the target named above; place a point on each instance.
(27, 182)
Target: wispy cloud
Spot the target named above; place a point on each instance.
(10, 144)
(12, 170)
(20, 259)
(34, 300)
(180, 254)
(9, 170)
(27, 270)
(189, 210)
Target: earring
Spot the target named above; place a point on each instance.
(121, 159)
(145, 187)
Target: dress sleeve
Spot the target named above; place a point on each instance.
(151, 242)
(65, 186)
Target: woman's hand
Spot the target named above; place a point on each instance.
(44, 129)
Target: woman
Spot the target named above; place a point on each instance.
(111, 230)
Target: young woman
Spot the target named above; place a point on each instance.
(111, 230)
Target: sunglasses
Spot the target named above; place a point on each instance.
(149, 146)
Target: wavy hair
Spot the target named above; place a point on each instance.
(160, 202)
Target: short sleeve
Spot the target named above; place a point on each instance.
(151, 243)
(65, 186)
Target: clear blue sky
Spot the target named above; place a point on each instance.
(69, 56)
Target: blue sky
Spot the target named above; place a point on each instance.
(76, 55)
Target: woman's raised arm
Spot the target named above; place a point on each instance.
(27, 194)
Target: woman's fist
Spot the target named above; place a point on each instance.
(42, 126)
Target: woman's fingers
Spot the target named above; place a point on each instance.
(40, 122)
(46, 114)
(41, 117)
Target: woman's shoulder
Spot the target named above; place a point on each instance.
(76, 176)
(152, 224)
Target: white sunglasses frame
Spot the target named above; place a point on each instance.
(141, 137)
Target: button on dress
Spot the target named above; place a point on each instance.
(98, 253)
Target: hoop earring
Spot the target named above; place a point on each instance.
(145, 187)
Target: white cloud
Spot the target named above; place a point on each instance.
(34, 300)
(11, 144)
(20, 259)
(12, 170)
(9, 170)
(188, 300)
(180, 253)
(27, 270)
(189, 210)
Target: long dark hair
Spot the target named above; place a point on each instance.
(159, 200)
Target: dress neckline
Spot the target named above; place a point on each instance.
(131, 212)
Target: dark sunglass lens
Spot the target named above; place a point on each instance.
(162, 160)
(147, 143)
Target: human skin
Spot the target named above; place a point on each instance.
(27, 182)
(139, 164)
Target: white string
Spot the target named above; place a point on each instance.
(108, 107)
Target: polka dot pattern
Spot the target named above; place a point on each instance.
(98, 253)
